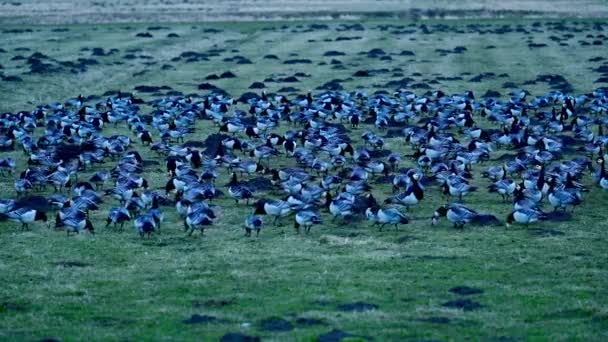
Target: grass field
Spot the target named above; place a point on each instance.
(547, 282)
(113, 11)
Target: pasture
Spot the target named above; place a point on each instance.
(344, 279)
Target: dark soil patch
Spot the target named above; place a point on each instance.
(289, 90)
(11, 78)
(309, 321)
(259, 184)
(289, 79)
(491, 93)
(357, 307)
(198, 319)
(71, 264)
(34, 202)
(276, 324)
(213, 142)
(486, 220)
(338, 335)
(9, 306)
(333, 53)
(147, 89)
(465, 290)
(237, 337)
(298, 61)
(246, 97)
(332, 85)
(361, 73)
(463, 304)
(257, 85)
(227, 74)
(213, 303)
(436, 320)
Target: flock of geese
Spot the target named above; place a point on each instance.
(548, 142)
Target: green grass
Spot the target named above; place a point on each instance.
(536, 287)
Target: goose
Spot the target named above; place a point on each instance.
(339, 207)
(602, 178)
(6, 205)
(145, 137)
(331, 182)
(562, 198)
(22, 186)
(156, 213)
(525, 216)
(75, 225)
(410, 197)
(118, 216)
(458, 187)
(249, 167)
(7, 165)
(458, 214)
(393, 160)
(390, 216)
(276, 208)
(239, 191)
(144, 225)
(253, 222)
(504, 187)
(25, 216)
(264, 152)
(197, 220)
(371, 214)
(232, 143)
(377, 167)
(358, 187)
(306, 219)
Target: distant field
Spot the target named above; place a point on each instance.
(89, 11)
(543, 283)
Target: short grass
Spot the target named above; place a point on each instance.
(546, 283)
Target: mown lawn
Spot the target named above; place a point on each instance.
(547, 282)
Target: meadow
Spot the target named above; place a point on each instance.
(341, 281)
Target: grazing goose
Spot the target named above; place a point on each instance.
(6, 205)
(561, 199)
(253, 222)
(457, 187)
(504, 187)
(118, 216)
(306, 219)
(156, 213)
(197, 220)
(25, 216)
(144, 225)
(458, 214)
(239, 191)
(525, 216)
(339, 207)
(7, 165)
(602, 177)
(389, 216)
(410, 197)
(276, 208)
(74, 225)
